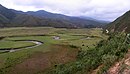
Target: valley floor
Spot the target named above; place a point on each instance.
(54, 51)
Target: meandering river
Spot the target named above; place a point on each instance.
(37, 43)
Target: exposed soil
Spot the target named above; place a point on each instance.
(121, 67)
(115, 69)
(96, 70)
(40, 61)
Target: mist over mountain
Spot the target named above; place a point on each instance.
(14, 18)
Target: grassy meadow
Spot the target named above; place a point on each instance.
(50, 53)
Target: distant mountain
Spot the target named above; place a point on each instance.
(45, 14)
(14, 18)
(7, 12)
(80, 22)
(120, 24)
(89, 18)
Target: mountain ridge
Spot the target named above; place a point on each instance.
(42, 18)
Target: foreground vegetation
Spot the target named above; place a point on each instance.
(101, 57)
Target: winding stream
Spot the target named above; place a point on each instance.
(37, 43)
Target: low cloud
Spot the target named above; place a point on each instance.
(98, 9)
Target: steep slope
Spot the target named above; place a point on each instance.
(5, 16)
(120, 24)
(7, 12)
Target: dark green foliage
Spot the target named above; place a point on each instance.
(72, 46)
(106, 53)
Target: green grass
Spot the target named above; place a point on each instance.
(85, 43)
(76, 37)
(24, 31)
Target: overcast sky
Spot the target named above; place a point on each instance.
(98, 9)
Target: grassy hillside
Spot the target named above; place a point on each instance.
(120, 24)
